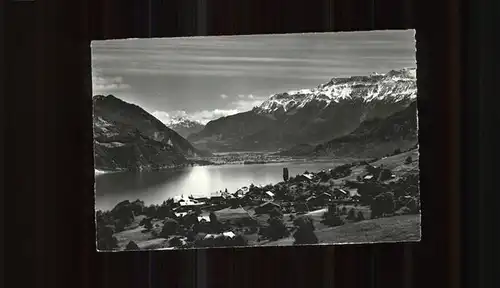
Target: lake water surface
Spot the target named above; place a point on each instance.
(156, 186)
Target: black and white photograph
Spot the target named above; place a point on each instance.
(256, 140)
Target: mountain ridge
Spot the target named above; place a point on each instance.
(126, 137)
(330, 110)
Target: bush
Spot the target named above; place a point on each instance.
(408, 160)
(146, 222)
(396, 151)
(385, 174)
(403, 211)
(360, 216)
(190, 219)
(170, 227)
(382, 204)
(352, 214)
(175, 242)
(305, 231)
(213, 218)
(332, 220)
(131, 246)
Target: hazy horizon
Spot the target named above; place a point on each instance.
(204, 78)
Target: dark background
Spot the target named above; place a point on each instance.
(48, 137)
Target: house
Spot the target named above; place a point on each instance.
(368, 177)
(340, 193)
(242, 190)
(304, 177)
(201, 199)
(180, 214)
(217, 199)
(205, 218)
(229, 234)
(319, 200)
(268, 195)
(266, 207)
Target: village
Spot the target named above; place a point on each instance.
(351, 201)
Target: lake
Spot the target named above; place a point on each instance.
(156, 186)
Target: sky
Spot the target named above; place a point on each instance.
(204, 78)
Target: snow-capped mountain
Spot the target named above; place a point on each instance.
(313, 115)
(395, 86)
(184, 126)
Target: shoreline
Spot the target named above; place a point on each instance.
(209, 161)
(243, 217)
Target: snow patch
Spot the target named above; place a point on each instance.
(395, 86)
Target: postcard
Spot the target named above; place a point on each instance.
(256, 140)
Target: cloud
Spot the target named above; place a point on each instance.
(223, 96)
(247, 103)
(103, 85)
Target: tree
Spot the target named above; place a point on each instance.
(276, 229)
(305, 231)
(170, 227)
(119, 225)
(239, 241)
(344, 210)
(331, 217)
(408, 160)
(285, 174)
(413, 206)
(105, 239)
(382, 204)
(332, 208)
(360, 216)
(352, 214)
(275, 212)
(370, 190)
(215, 224)
(132, 246)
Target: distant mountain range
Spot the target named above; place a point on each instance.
(184, 126)
(126, 137)
(311, 116)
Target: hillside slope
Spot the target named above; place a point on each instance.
(128, 138)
